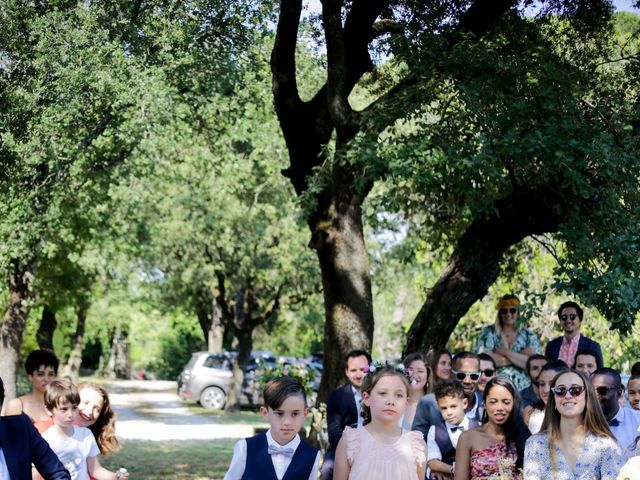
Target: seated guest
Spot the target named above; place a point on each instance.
(633, 391)
(624, 422)
(488, 370)
(420, 376)
(443, 436)
(575, 441)
(344, 408)
(440, 363)
(534, 413)
(509, 341)
(530, 395)
(565, 347)
(466, 370)
(587, 361)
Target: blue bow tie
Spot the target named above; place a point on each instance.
(614, 422)
(458, 427)
(288, 451)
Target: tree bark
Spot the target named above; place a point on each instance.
(19, 281)
(47, 328)
(72, 369)
(475, 264)
(209, 319)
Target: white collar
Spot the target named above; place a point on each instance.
(464, 424)
(293, 443)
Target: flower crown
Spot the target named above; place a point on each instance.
(377, 365)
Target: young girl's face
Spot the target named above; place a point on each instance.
(634, 393)
(90, 408)
(443, 369)
(417, 370)
(499, 404)
(387, 400)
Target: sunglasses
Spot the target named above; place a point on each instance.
(504, 311)
(474, 376)
(488, 372)
(571, 316)
(603, 391)
(573, 390)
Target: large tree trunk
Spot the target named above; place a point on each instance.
(208, 315)
(72, 369)
(475, 263)
(48, 325)
(15, 318)
(347, 290)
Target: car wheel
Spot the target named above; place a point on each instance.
(213, 397)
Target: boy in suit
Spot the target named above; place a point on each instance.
(278, 454)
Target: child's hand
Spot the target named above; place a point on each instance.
(122, 473)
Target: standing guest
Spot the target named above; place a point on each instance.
(75, 446)
(575, 442)
(509, 342)
(420, 375)
(41, 367)
(279, 452)
(440, 363)
(531, 394)
(534, 413)
(488, 370)
(496, 449)
(466, 371)
(380, 449)
(565, 347)
(633, 391)
(587, 361)
(345, 406)
(95, 413)
(443, 437)
(21, 445)
(624, 422)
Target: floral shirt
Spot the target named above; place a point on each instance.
(490, 339)
(496, 462)
(601, 459)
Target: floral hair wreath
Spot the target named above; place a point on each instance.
(377, 365)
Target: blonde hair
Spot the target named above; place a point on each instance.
(593, 420)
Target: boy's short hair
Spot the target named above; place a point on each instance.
(41, 357)
(60, 390)
(448, 388)
(277, 390)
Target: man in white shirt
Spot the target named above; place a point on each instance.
(624, 422)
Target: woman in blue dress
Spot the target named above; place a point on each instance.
(575, 442)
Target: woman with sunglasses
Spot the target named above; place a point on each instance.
(508, 342)
(534, 414)
(496, 449)
(575, 441)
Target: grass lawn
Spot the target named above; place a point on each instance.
(193, 459)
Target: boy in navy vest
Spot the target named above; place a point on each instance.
(278, 454)
(443, 437)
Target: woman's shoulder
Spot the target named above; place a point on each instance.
(537, 440)
(14, 407)
(602, 442)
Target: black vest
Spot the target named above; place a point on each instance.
(259, 466)
(447, 450)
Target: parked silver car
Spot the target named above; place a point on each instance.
(207, 377)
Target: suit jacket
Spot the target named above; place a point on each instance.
(341, 412)
(22, 445)
(553, 348)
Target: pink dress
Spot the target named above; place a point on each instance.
(372, 460)
(495, 462)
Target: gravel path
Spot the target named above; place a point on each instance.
(151, 410)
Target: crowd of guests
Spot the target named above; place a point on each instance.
(59, 428)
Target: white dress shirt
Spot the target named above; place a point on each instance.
(4, 471)
(280, 462)
(626, 431)
(357, 396)
(433, 450)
